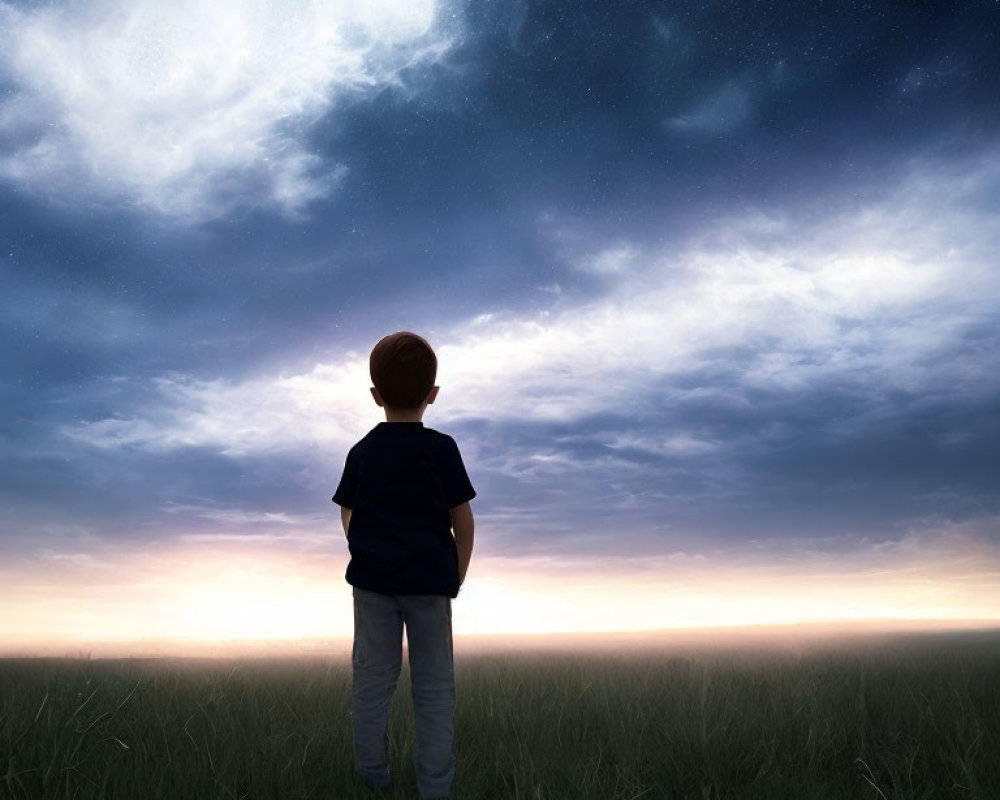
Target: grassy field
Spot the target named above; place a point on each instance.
(906, 717)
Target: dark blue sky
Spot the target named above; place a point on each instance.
(703, 277)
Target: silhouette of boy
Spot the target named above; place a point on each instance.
(403, 491)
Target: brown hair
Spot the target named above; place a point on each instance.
(403, 368)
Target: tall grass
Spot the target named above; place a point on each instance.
(909, 718)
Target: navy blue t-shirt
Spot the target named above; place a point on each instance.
(401, 482)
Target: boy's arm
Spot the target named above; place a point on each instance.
(345, 518)
(463, 525)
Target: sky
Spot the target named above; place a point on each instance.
(713, 288)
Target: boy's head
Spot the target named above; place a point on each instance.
(403, 368)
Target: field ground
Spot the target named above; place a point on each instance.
(906, 716)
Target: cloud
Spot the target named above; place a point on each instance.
(189, 108)
(724, 110)
(869, 301)
(327, 405)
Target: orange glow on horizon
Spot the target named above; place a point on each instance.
(210, 596)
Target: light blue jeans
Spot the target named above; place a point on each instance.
(377, 658)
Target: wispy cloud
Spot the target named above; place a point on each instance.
(190, 108)
(874, 300)
(244, 517)
(328, 405)
(724, 110)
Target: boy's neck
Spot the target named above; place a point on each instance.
(404, 414)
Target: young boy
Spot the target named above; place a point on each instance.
(403, 491)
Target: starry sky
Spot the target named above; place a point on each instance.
(713, 287)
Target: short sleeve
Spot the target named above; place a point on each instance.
(347, 490)
(457, 486)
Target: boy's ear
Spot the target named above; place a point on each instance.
(432, 394)
(378, 398)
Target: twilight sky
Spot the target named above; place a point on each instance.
(714, 289)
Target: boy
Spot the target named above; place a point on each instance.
(403, 491)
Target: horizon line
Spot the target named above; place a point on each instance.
(32, 646)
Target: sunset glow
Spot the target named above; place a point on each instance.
(713, 288)
(213, 596)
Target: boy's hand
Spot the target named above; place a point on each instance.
(345, 518)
